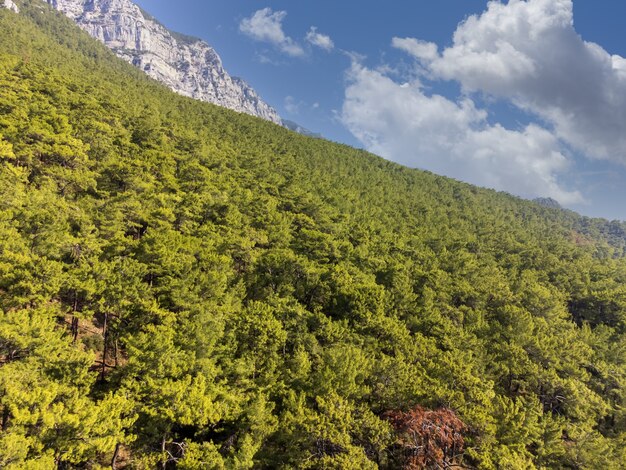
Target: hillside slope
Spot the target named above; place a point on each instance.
(182, 286)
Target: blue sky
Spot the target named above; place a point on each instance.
(527, 97)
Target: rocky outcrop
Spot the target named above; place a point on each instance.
(187, 65)
(10, 5)
(294, 126)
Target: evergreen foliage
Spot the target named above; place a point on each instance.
(182, 286)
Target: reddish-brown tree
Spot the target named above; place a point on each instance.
(428, 438)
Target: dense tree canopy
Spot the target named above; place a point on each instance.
(185, 287)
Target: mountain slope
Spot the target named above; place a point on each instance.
(294, 126)
(188, 66)
(182, 286)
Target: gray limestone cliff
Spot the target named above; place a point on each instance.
(10, 5)
(188, 66)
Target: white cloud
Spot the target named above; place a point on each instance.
(266, 25)
(528, 52)
(320, 40)
(523, 52)
(401, 122)
(421, 50)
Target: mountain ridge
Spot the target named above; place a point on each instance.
(187, 65)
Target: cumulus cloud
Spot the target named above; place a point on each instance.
(528, 52)
(320, 40)
(400, 121)
(523, 52)
(266, 25)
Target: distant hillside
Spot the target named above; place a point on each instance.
(186, 287)
(294, 126)
(548, 202)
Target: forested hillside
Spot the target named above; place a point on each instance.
(182, 286)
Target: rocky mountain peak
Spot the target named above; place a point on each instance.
(188, 66)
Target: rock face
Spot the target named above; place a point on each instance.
(10, 5)
(187, 65)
